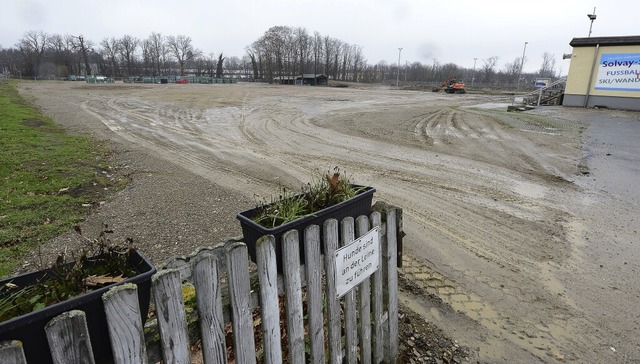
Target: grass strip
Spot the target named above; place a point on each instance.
(49, 180)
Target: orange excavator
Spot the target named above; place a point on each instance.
(451, 86)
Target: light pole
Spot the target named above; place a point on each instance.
(473, 75)
(398, 74)
(522, 64)
(592, 17)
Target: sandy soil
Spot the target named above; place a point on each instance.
(522, 228)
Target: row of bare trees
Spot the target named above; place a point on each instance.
(285, 51)
(281, 51)
(40, 55)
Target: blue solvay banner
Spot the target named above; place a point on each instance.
(619, 72)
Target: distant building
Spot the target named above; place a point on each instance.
(604, 72)
(305, 79)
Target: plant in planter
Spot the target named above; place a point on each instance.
(330, 196)
(29, 301)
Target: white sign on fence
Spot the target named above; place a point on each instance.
(357, 261)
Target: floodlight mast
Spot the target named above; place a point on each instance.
(591, 17)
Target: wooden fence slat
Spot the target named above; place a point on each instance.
(293, 294)
(378, 348)
(313, 269)
(68, 338)
(239, 295)
(392, 284)
(209, 299)
(330, 234)
(364, 298)
(269, 301)
(350, 316)
(122, 310)
(11, 352)
(172, 321)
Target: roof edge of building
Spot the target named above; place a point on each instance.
(605, 41)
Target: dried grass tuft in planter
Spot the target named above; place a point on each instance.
(329, 196)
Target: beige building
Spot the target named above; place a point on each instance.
(604, 72)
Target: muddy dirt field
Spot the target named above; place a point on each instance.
(522, 228)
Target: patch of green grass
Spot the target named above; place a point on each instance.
(47, 178)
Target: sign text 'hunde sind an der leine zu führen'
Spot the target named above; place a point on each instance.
(356, 261)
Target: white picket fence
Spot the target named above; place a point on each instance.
(361, 327)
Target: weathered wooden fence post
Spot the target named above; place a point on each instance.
(313, 268)
(269, 302)
(350, 325)
(330, 233)
(68, 338)
(172, 321)
(364, 298)
(207, 283)
(390, 259)
(293, 295)
(11, 352)
(240, 294)
(122, 310)
(378, 293)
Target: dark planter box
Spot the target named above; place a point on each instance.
(358, 205)
(29, 328)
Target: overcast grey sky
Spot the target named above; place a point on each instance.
(445, 30)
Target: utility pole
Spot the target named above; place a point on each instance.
(398, 74)
(592, 17)
(522, 64)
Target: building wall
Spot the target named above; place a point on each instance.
(578, 87)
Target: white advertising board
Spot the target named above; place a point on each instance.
(357, 261)
(619, 72)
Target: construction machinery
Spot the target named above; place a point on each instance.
(451, 86)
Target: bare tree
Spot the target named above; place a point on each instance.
(251, 52)
(84, 47)
(158, 52)
(110, 50)
(127, 48)
(182, 49)
(330, 51)
(32, 47)
(302, 43)
(317, 51)
(358, 61)
(210, 65)
(10, 61)
(512, 70)
(62, 52)
(270, 50)
(548, 65)
(233, 64)
(345, 52)
(489, 68)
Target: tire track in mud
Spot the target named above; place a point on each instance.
(154, 130)
(148, 135)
